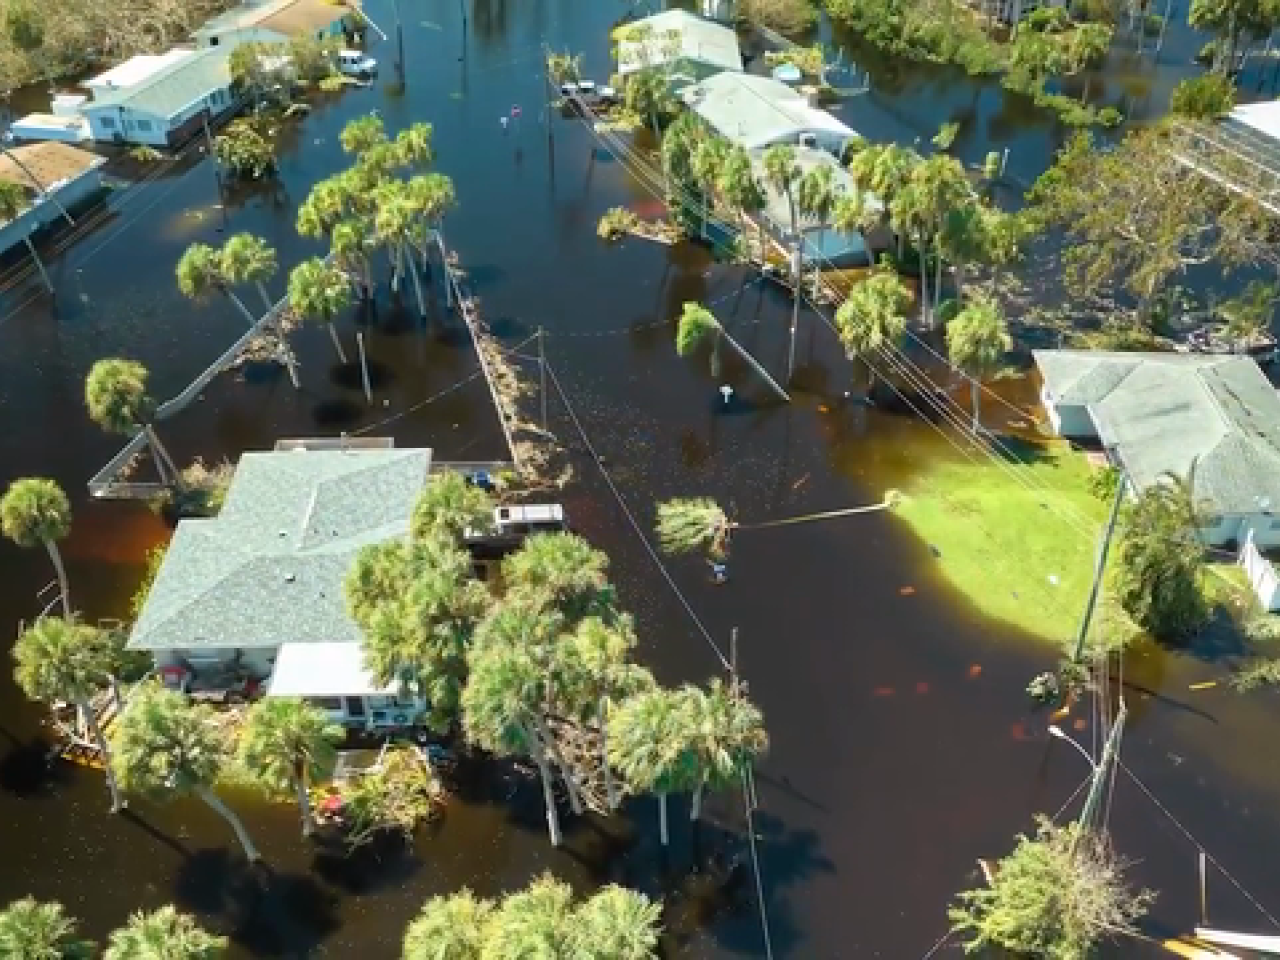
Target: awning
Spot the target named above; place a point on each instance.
(322, 670)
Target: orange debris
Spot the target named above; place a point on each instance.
(907, 591)
(975, 670)
(922, 687)
(883, 692)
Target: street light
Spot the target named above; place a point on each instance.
(1057, 731)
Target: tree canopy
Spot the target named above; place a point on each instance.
(163, 934)
(116, 395)
(31, 930)
(450, 505)
(35, 511)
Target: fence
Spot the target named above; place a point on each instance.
(1262, 576)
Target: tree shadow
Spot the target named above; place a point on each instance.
(268, 913)
(385, 861)
(29, 767)
(349, 377)
(336, 413)
(1019, 450)
(132, 817)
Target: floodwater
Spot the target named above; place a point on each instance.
(903, 747)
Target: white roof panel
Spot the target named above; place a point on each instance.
(137, 69)
(322, 670)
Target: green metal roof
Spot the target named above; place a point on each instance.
(1165, 413)
(176, 87)
(270, 567)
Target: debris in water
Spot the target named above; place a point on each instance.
(883, 692)
(922, 686)
(906, 591)
(1203, 686)
(431, 26)
(1080, 724)
(822, 408)
(975, 670)
(801, 482)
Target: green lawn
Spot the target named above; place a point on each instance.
(1003, 533)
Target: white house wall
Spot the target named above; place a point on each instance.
(42, 214)
(122, 122)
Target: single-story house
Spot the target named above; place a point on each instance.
(274, 21)
(821, 243)
(134, 72)
(45, 171)
(688, 47)
(1217, 417)
(758, 112)
(167, 106)
(261, 584)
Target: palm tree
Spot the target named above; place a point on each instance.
(417, 606)
(116, 394)
(165, 745)
(741, 189)
(287, 744)
(782, 173)
(937, 187)
(351, 243)
(728, 737)
(414, 146)
(455, 927)
(697, 324)
(616, 924)
(433, 196)
(534, 922)
(873, 317)
(397, 226)
(449, 506)
(650, 745)
(329, 203)
(62, 659)
(35, 512)
(977, 340)
(815, 197)
(362, 133)
(249, 259)
(31, 930)
(560, 571)
(509, 675)
(690, 524)
(163, 934)
(708, 162)
(200, 273)
(883, 169)
(318, 292)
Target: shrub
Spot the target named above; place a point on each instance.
(1203, 98)
(616, 223)
(788, 17)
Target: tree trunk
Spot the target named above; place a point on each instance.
(337, 344)
(548, 796)
(924, 287)
(570, 781)
(266, 300)
(227, 814)
(395, 269)
(976, 395)
(244, 311)
(663, 832)
(417, 288)
(304, 800)
(64, 589)
(610, 789)
(764, 245)
(95, 730)
(695, 805)
(755, 365)
(937, 271)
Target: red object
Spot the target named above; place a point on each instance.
(172, 676)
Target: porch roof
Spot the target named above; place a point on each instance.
(323, 670)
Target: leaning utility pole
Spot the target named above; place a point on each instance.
(1121, 483)
(1089, 811)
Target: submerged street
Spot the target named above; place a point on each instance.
(903, 745)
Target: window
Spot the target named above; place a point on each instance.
(108, 123)
(327, 703)
(213, 41)
(144, 124)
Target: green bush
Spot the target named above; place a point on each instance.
(1203, 98)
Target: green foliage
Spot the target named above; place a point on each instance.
(1257, 673)
(14, 198)
(417, 607)
(789, 17)
(1056, 896)
(400, 795)
(164, 745)
(31, 930)
(453, 927)
(616, 223)
(560, 572)
(199, 271)
(696, 325)
(243, 150)
(35, 511)
(312, 60)
(1160, 562)
(1250, 313)
(564, 67)
(116, 394)
(1205, 97)
(978, 338)
(1233, 22)
(284, 741)
(199, 491)
(150, 569)
(687, 525)
(808, 60)
(57, 659)
(946, 136)
(1104, 482)
(318, 291)
(651, 742)
(163, 934)
(873, 316)
(449, 506)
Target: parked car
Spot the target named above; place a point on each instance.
(354, 63)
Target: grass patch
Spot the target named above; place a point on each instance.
(1016, 538)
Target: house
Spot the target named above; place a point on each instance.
(1214, 417)
(163, 101)
(275, 21)
(686, 46)
(47, 171)
(260, 586)
(821, 243)
(758, 112)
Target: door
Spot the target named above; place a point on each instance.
(355, 708)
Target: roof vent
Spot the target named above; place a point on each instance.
(290, 577)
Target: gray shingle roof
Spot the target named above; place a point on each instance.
(700, 40)
(270, 567)
(756, 111)
(175, 87)
(1164, 413)
(778, 209)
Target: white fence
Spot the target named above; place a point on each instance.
(1262, 576)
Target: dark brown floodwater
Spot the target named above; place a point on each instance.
(902, 744)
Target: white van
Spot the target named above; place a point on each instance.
(356, 64)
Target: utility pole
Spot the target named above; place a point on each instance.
(542, 372)
(399, 44)
(1090, 810)
(1121, 483)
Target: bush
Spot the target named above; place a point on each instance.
(788, 17)
(1103, 483)
(243, 150)
(1203, 98)
(808, 60)
(616, 223)
(200, 491)
(155, 557)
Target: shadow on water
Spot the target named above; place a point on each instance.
(386, 861)
(350, 376)
(27, 768)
